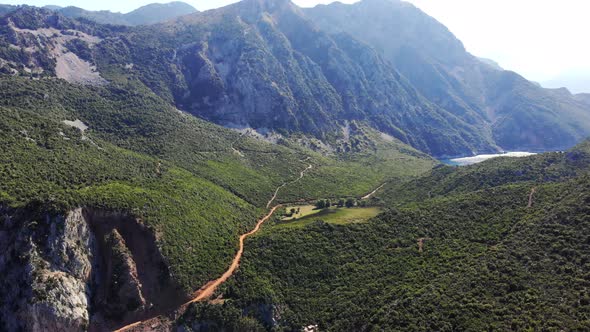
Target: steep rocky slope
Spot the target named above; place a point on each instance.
(263, 64)
(520, 114)
(252, 65)
(86, 268)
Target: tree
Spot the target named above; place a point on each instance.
(350, 202)
(293, 211)
(320, 204)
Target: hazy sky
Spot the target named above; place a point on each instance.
(537, 38)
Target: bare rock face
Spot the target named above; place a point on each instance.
(49, 261)
(123, 290)
(85, 270)
(64, 309)
(59, 274)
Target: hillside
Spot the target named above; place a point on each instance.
(487, 258)
(108, 161)
(446, 180)
(180, 176)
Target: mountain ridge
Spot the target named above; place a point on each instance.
(436, 62)
(145, 15)
(274, 66)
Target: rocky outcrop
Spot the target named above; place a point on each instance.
(85, 269)
(47, 264)
(263, 64)
(122, 292)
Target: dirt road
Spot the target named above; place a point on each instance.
(301, 175)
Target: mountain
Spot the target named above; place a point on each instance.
(577, 81)
(275, 67)
(149, 14)
(263, 64)
(116, 205)
(518, 114)
(137, 163)
(252, 65)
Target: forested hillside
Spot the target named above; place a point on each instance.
(120, 148)
(500, 256)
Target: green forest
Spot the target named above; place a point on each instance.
(476, 258)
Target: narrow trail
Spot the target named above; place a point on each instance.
(531, 196)
(369, 195)
(234, 149)
(421, 243)
(301, 175)
(209, 289)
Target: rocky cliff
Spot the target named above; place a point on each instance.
(518, 114)
(85, 269)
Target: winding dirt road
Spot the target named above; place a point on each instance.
(209, 289)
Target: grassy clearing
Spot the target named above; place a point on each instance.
(337, 216)
(301, 211)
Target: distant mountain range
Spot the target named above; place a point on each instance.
(149, 14)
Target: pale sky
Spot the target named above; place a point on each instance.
(537, 38)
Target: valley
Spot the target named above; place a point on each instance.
(266, 167)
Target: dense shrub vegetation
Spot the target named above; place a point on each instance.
(178, 173)
(475, 259)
